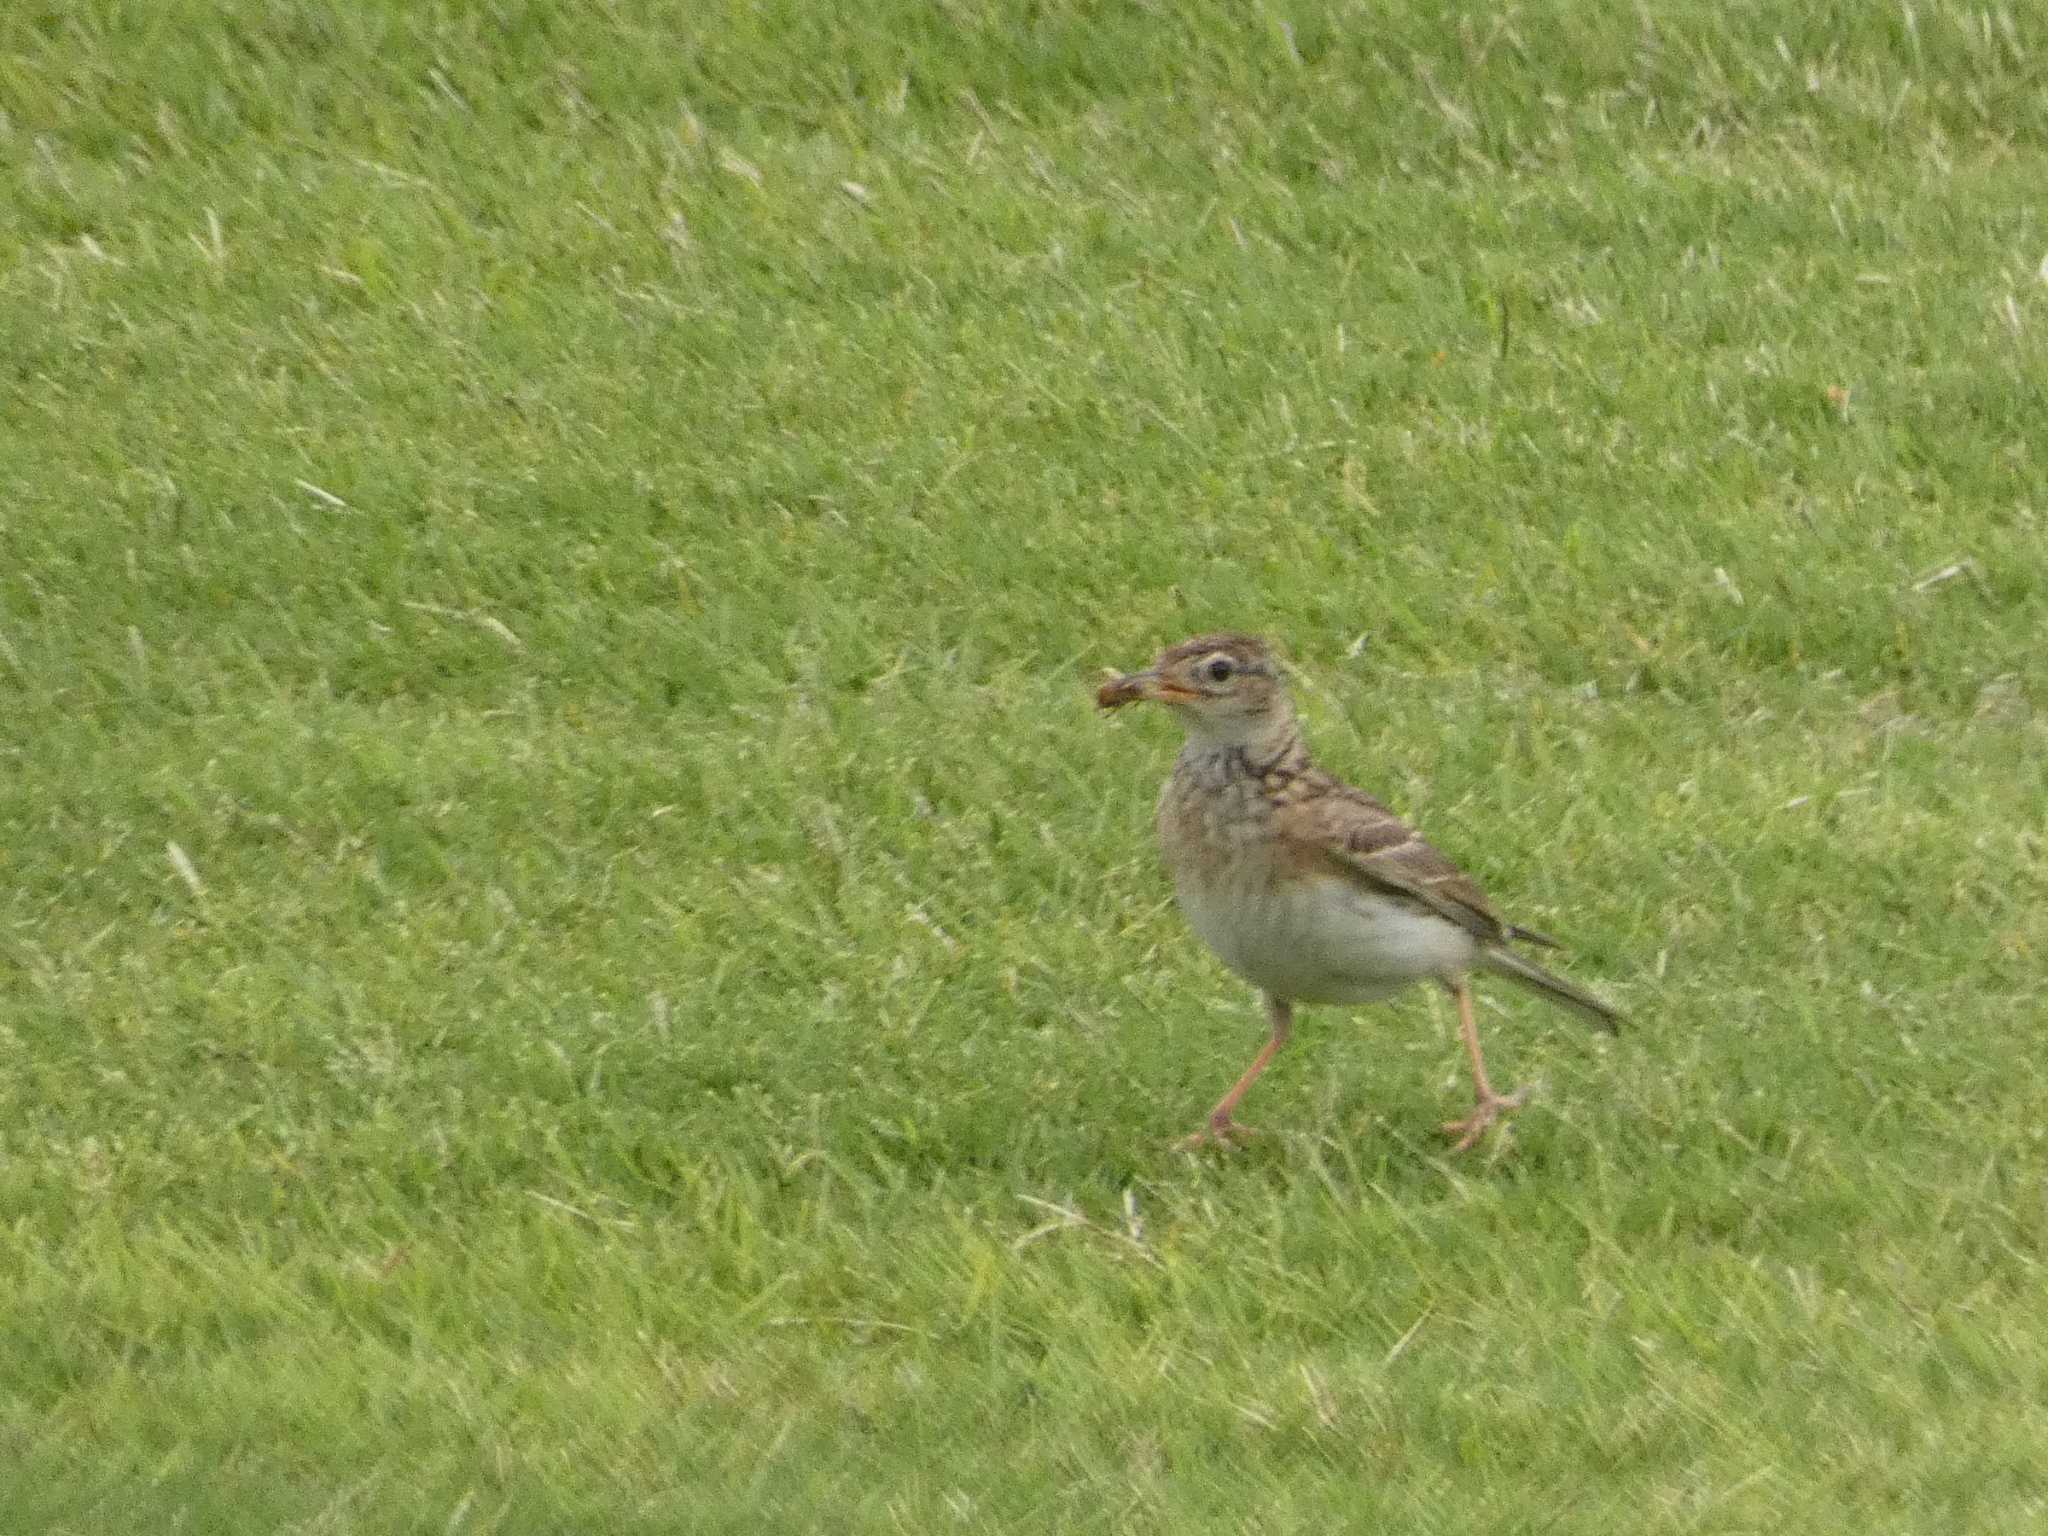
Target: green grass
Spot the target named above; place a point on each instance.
(574, 957)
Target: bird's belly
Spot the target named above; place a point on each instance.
(1322, 940)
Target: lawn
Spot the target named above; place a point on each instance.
(574, 956)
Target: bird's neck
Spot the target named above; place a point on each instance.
(1268, 744)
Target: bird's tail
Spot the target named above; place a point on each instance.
(1505, 962)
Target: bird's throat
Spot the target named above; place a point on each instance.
(1270, 742)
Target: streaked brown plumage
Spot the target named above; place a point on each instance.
(1310, 889)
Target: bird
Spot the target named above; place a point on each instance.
(1309, 889)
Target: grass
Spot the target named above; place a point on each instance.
(572, 954)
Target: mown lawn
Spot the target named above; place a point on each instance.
(573, 956)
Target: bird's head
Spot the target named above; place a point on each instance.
(1226, 688)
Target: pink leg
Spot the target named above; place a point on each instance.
(1220, 1126)
(1491, 1105)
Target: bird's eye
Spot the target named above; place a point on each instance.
(1219, 669)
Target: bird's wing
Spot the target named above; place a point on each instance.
(1347, 828)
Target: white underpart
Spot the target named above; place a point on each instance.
(1320, 940)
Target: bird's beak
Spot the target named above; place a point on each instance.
(1139, 687)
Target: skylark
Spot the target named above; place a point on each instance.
(1311, 890)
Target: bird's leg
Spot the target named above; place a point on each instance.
(1220, 1127)
(1491, 1105)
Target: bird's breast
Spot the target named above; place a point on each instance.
(1294, 927)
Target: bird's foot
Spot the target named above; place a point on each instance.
(1221, 1131)
(1489, 1109)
